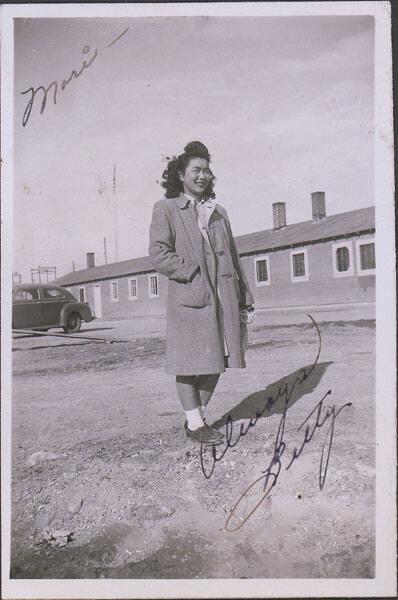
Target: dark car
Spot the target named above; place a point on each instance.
(42, 306)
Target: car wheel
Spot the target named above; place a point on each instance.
(73, 323)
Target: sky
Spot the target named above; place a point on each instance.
(284, 104)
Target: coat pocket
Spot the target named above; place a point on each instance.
(238, 290)
(237, 287)
(193, 294)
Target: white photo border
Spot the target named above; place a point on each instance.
(384, 583)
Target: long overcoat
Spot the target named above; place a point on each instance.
(197, 324)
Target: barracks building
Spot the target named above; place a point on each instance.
(326, 260)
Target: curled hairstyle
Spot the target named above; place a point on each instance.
(171, 176)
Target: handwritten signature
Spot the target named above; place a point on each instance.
(65, 82)
(263, 485)
(208, 463)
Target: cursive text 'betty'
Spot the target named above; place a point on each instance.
(262, 486)
(258, 491)
(54, 84)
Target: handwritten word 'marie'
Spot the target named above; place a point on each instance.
(65, 82)
(54, 85)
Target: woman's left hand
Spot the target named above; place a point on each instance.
(247, 315)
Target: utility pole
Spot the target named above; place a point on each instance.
(47, 271)
(110, 204)
(16, 277)
(115, 210)
(101, 190)
(105, 255)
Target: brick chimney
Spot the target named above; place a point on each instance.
(318, 206)
(90, 260)
(279, 214)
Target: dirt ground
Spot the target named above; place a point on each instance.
(105, 485)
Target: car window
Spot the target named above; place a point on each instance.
(26, 295)
(53, 293)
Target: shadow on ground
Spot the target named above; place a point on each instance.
(271, 400)
(179, 556)
(368, 323)
(95, 329)
(54, 331)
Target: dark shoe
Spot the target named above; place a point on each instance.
(217, 434)
(203, 435)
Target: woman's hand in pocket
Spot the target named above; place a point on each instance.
(194, 274)
(193, 293)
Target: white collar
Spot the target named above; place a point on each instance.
(192, 199)
(208, 201)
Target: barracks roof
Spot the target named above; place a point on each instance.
(308, 232)
(109, 271)
(298, 234)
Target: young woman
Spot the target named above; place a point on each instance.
(191, 243)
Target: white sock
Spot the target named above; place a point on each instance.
(194, 418)
(202, 412)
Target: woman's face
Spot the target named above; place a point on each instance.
(197, 177)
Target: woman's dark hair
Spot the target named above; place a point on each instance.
(171, 176)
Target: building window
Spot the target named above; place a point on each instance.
(343, 259)
(262, 274)
(114, 291)
(82, 294)
(366, 257)
(133, 295)
(343, 264)
(153, 286)
(299, 265)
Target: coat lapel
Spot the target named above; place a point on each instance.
(190, 223)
